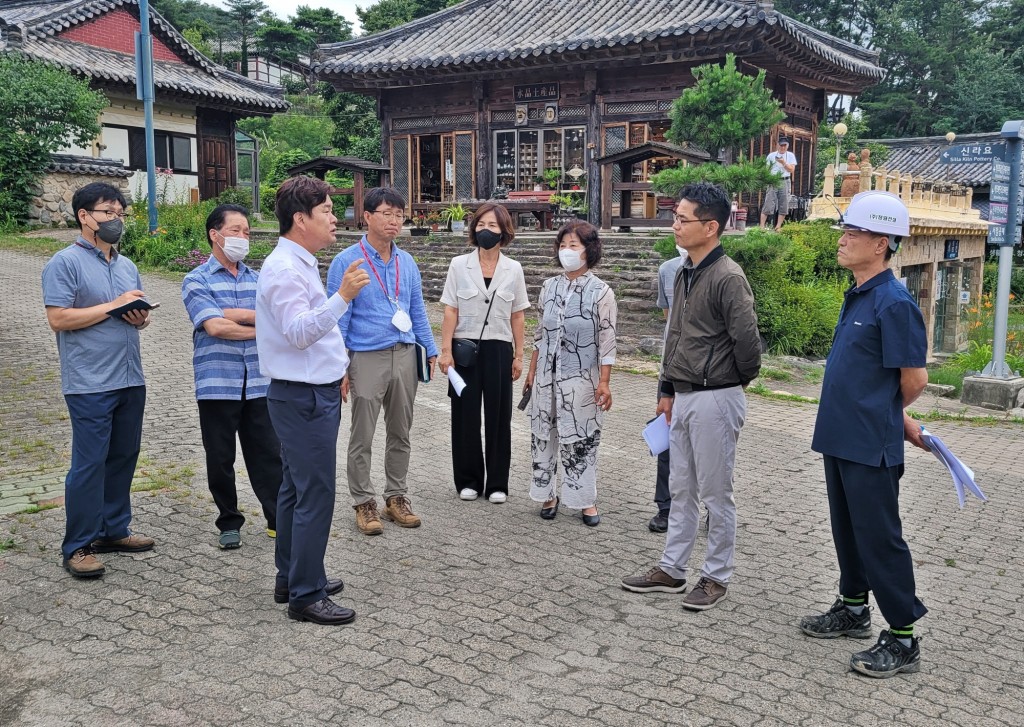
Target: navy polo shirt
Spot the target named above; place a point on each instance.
(880, 331)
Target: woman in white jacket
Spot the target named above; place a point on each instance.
(484, 297)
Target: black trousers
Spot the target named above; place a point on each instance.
(864, 505)
(219, 421)
(662, 496)
(489, 382)
(306, 418)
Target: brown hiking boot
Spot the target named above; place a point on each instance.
(83, 564)
(367, 519)
(399, 512)
(132, 544)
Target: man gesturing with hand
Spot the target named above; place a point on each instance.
(303, 352)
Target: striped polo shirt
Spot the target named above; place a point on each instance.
(221, 366)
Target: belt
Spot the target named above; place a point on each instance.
(305, 384)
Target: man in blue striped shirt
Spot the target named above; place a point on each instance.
(220, 297)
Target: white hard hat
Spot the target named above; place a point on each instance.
(880, 212)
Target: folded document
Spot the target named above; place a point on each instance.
(963, 476)
(656, 434)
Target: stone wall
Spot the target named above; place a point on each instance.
(51, 202)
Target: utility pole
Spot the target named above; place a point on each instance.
(144, 92)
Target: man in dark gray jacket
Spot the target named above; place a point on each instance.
(712, 351)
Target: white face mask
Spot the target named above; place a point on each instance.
(682, 252)
(235, 248)
(572, 260)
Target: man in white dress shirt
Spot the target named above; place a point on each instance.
(302, 351)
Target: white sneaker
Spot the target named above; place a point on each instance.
(498, 497)
(468, 494)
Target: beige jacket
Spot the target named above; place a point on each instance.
(465, 291)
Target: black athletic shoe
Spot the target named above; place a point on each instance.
(838, 621)
(888, 657)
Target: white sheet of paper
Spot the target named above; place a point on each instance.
(656, 435)
(963, 476)
(458, 383)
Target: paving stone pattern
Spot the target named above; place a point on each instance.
(488, 615)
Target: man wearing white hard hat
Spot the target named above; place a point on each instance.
(876, 368)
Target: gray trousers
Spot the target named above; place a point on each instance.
(381, 379)
(702, 445)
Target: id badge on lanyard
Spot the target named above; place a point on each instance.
(400, 319)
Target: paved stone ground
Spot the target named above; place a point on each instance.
(487, 615)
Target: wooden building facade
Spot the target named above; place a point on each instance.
(495, 96)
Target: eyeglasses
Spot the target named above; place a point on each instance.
(683, 220)
(390, 216)
(110, 214)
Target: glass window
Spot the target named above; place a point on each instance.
(245, 168)
(521, 158)
(181, 153)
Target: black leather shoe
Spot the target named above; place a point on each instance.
(548, 513)
(333, 586)
(659, 523)
(591, 521)
(325, 612)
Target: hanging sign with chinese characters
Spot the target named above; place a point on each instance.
(536, 92)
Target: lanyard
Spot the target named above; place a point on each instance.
(377, 275)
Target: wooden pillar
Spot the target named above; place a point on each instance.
(483, 173)
(605, 205)
(597, 201)
(357, 197)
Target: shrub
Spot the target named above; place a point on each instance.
(991, 277)
(236, 195)
(181, 229)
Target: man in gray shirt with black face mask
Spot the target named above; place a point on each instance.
(101, 378)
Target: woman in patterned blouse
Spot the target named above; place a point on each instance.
(569, 373)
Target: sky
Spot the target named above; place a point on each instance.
(286, 8)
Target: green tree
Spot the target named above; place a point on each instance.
(281, 39)
(386, 14)
(323, 25)
(44, 109)
(196, 36)
(976, 106)
(723, 109)
(304, 128)
(356, 127)
(922, 44)
(247, 17)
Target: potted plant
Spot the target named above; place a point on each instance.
(455, 216)
(538, 181)
(434, 220)
(419, 225)
(552, 177)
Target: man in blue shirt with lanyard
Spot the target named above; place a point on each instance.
(101, 378)
(381, 329)
(220, 297)
(876, 369)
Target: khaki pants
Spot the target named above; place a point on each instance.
(379, 378)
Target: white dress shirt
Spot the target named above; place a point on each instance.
(464, 290)
(297, 334)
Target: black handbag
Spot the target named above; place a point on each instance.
(465, 350)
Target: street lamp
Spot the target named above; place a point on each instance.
(839, 130)
(950, 138)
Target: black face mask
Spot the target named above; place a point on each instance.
(110, 231)
(487, 239)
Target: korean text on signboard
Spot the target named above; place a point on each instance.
(972, 153)
(536, 92)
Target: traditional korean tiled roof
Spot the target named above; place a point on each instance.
(920, 156)
(73, 164)
(32, 28)
(487, 34)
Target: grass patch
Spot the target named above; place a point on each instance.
(6, 544)
(33, 509)
(946, 376)
(764, 391)
(768, 372)
(961, 416)
(31, 244)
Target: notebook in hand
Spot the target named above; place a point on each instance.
(422, 364)
(137, 304)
